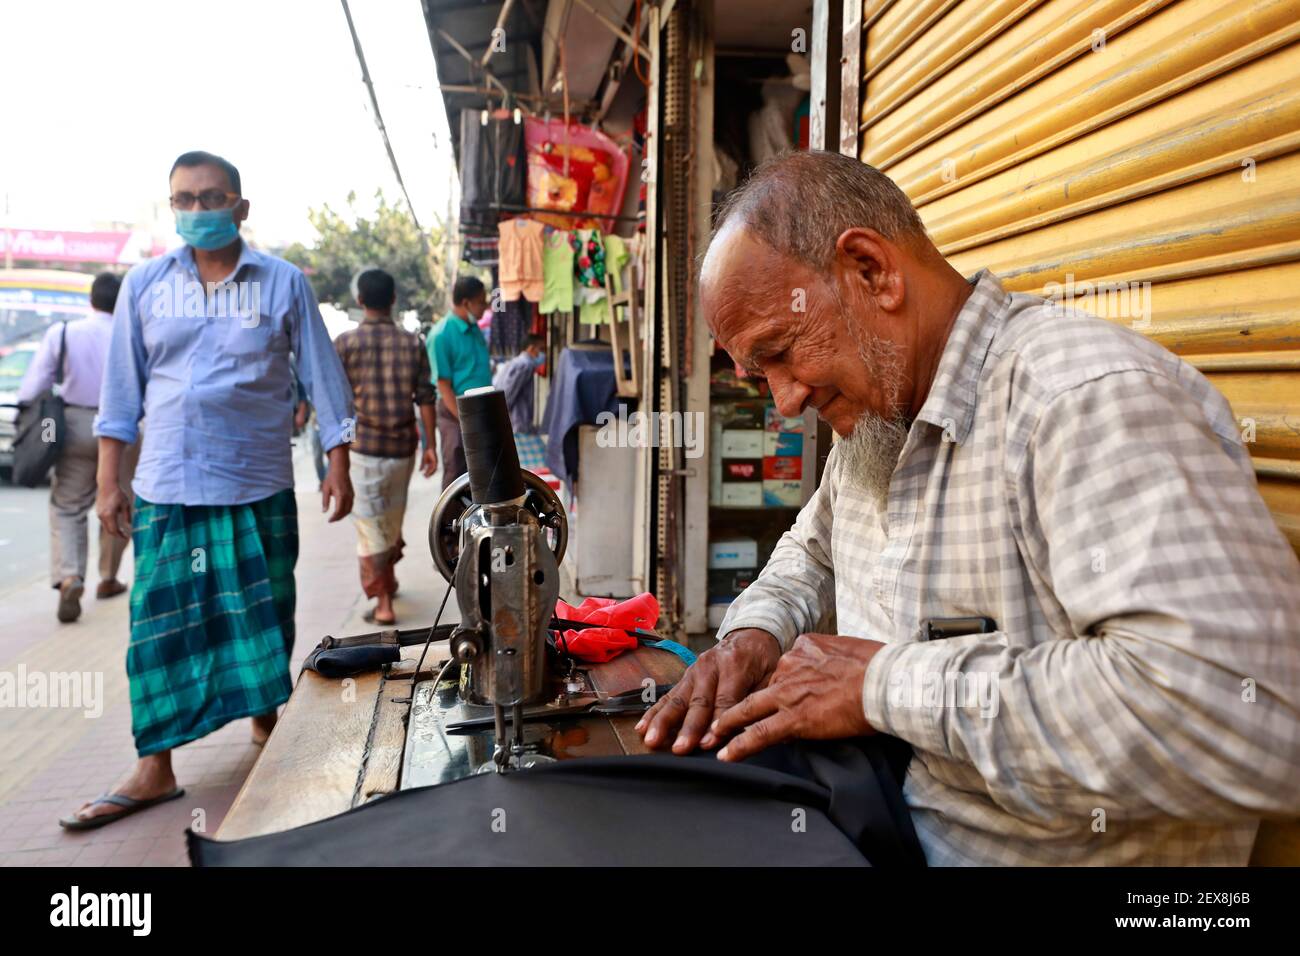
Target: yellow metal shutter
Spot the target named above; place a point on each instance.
(1070, 142)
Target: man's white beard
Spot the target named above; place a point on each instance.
(871, 451)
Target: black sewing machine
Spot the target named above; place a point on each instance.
(498, 534)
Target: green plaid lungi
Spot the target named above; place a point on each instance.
(211, 616)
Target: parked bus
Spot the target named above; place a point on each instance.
(31, 300)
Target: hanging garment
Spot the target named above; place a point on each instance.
(510, 328)
(557, 272)
(616, 258)
(520, 268)
(770, 127)
(492, 168)
(645, 810)
(573, 169)
(480, 250)
(583, 387)
(588, 262)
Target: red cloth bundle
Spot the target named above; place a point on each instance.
(599, 644)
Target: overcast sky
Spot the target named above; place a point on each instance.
(102, 96)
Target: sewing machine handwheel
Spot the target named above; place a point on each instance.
(456, 502)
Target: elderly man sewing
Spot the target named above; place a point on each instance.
(1006, 458)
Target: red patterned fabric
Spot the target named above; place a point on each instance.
(599, 644)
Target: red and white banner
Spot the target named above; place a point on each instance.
(112, 248)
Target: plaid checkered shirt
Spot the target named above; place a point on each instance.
(389, 371)
(1089, 491)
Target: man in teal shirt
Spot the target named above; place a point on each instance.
(458, 356)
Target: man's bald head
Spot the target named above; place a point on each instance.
(820, 277)
(800, 203)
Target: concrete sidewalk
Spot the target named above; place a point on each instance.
(53, 759)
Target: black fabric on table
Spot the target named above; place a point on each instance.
(335, 662)
(648, 810)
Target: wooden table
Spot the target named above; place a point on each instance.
(341, 742)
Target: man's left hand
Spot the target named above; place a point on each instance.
(337, 484)
(429, 462)
(815, 694)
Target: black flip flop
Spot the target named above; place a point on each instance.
(129, 806)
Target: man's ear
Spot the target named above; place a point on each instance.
(866, 258)
(241, 211)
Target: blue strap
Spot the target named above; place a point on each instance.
(685, 653)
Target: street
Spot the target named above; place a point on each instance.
(24, 526)
(54, 758)
(24, 534)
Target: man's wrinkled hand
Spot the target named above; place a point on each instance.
(113, 510)
(718, 679)
(814, 694)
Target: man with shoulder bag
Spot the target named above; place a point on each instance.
(59, 396)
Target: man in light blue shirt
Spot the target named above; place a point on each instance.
(84, 346)
(200, 348)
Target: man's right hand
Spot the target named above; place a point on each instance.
(429, 462)
(722, 676)
(113, 509)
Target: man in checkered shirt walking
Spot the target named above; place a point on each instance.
(1001, 457)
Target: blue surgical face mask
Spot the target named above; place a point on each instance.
(207, 228)
(539, 360)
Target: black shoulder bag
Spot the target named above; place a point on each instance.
(40, 438)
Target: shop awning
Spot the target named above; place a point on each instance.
(461, 33)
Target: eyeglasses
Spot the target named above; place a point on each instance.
(208, 199)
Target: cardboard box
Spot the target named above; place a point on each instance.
(741, 494)
(727, 584)
(742, 469)
(741, 443)
(782, 443)
(743, 415)
(784, 468)
(782, 494)
(733, 554)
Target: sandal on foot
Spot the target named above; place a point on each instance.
(129, 805)
(370, 617)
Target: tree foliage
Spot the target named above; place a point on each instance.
(348, 242)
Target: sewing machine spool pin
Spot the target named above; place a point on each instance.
(502, 549)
